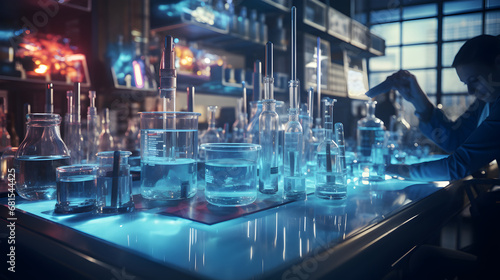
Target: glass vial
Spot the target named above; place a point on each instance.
(370, 144)
(269, 140)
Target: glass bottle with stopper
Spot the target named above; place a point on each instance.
(268, 135)
(370, 145)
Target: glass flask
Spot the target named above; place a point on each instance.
(211, 135)
(106, 141)
(169, 150)
(331, 178)
(370, 145)
(269, 140)
(114, 183)
(252, 131)
(38, 156)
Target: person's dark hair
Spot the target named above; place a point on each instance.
(483, 49)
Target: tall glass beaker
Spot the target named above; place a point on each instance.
(38, 156)
(114, 183)
(169, 149)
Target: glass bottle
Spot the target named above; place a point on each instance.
(295, 183)
(38, 156)
(370, 139)
(211, 135)
(106, 141)
(330, 175)
(252, 131)
(269, 140)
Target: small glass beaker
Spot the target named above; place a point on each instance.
(169, 150)
(76, 188)
(38, 156)
(231, 173)
(114, 183)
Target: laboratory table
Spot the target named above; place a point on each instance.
(361, 237)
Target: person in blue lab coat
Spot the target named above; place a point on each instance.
(474, 138)
(473, 141)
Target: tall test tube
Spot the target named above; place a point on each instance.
(92, 129)
(318, 79)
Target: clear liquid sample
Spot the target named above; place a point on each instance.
(36, 176)
(311, 173)
(167, 180)
(231, 182)
(76, 194)
(295, 187)
(105, 202)
(367, 137)
(330, 184)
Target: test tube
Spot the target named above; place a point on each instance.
(257, 80)
(92, 129)
(244, 89)
(310, 103)
(318, 74)
(268, 78)
(339, 136)
(75, 141)
(49, 98)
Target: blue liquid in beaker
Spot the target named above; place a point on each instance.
(166, 180)
(76, 194)
(231, 182)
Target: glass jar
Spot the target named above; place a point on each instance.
(38, 156)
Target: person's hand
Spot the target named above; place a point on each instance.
(399, 170)
(406, 84)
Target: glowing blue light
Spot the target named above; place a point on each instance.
(6, 34)
(176, 40)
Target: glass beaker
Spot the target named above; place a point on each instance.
(38, 156)
(231, 173)
(114, 183)
(169, 149)
(76, 188)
